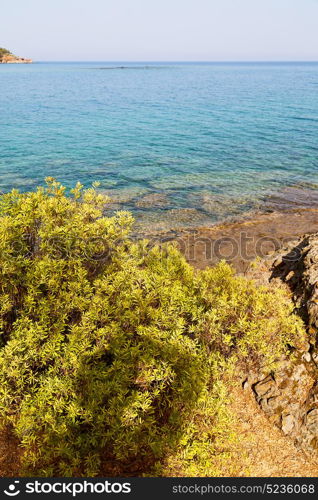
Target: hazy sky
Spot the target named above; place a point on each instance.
(125, 30)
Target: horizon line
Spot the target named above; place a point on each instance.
(180, 61)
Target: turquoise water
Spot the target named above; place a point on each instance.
(175, 143)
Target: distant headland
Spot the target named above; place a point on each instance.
(6, 57)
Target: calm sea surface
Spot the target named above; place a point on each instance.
(178, 144)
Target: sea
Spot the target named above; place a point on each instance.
(177, 144)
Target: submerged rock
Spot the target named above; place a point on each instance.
(153, 200)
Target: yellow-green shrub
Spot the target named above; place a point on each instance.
(108, 347)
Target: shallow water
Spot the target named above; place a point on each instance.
(178, 144)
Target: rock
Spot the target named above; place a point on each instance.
(265, 387)
(289, 396)
(298, 267)
(278, 261)
(245, 385)
(306, 357)
(11, 59)
(288, 424)
(290, 275)
(312, 415)
(153, 200)
(299, 372)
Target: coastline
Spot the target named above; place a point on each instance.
(242, 241)
(164, 212)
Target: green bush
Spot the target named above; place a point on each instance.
(4, 52)
(108, 346)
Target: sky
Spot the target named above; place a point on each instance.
(161, 30)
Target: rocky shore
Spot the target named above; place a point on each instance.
(259, 236)
(15, 60)
(6, 57)
(289, 395)
(279, 249)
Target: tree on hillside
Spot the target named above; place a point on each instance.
(4, 52)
